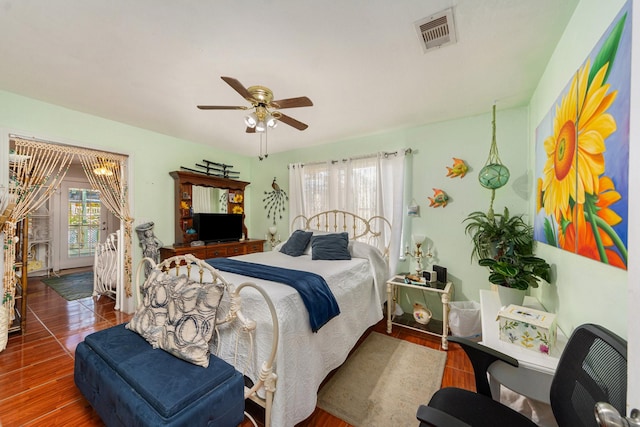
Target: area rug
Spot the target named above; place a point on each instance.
(383, 382)
(72, 286)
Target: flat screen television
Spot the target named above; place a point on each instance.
(218, 227)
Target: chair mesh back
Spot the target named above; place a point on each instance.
(593, 368)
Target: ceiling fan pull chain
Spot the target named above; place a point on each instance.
(266, 144)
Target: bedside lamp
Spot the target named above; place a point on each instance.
(271, 236)
(417, 254)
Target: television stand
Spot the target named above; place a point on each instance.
(214, 250)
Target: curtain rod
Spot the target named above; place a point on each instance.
(385, 154)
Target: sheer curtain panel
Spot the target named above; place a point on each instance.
(367, 186)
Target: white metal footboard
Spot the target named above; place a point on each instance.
(232, 320)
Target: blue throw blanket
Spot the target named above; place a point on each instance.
(313, 289)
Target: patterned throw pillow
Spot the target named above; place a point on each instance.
(151, 313)
(178, 315)
(191, 320)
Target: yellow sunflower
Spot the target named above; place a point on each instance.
(575, 157)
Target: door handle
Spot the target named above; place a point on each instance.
(608, 416)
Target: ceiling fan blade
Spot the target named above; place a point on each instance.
(251, 130)
(292, 122)
(238, 87)
(301, 101)
(222, 107)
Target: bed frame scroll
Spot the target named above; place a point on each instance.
(107, 267)
(202, 272)
(375, 231)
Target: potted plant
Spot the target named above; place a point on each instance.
(517, 271)
(495, 235)
(504, 244)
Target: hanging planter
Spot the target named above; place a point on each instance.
(494, 174)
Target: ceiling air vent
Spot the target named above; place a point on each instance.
(436, 30)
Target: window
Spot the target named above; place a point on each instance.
(83, 221)
(351, 185)
(367, 186)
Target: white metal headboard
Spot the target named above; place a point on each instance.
(375, 231)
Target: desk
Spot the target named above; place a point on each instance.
(434, 327)
(533, 378)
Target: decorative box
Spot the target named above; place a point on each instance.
(529, 328)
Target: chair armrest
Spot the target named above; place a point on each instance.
(432, 417)
(481, 358)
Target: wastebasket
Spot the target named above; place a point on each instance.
(464, 319)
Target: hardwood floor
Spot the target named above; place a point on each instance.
(36, 368)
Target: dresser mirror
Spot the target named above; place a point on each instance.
(209, 199)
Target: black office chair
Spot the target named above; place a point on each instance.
(592, 368)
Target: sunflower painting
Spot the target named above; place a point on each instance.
(582, 155)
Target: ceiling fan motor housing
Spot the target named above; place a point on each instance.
(260, 94)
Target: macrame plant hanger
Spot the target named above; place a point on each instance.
(494, 174)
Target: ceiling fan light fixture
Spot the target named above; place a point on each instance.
(261, 126)
(251, 120)
(271, 121)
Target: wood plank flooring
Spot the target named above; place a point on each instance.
(36, 368)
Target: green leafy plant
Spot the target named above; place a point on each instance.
(504, 244)
(517, 271)
(496, 235)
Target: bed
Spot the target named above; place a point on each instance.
(304, 358)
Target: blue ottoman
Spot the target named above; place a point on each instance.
(129, 383)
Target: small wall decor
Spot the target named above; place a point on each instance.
(458, 169)
(439, 198)
(274, 202)
(413, 209)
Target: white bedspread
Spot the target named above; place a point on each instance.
(305, 358)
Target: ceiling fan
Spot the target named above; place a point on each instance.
(266, 111)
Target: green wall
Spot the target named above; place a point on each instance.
(583, 290)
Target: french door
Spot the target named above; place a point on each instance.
(83, 223)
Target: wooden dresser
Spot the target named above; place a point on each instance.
(214, 250)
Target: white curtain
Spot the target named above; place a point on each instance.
(391, 172)
(366, 186)
(296, 193)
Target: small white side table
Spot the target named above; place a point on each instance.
(434, 327)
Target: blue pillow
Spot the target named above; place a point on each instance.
(330, 247)
(297, 243)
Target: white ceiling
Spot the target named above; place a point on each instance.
(148, 63)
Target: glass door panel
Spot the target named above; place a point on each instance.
(83, 222)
